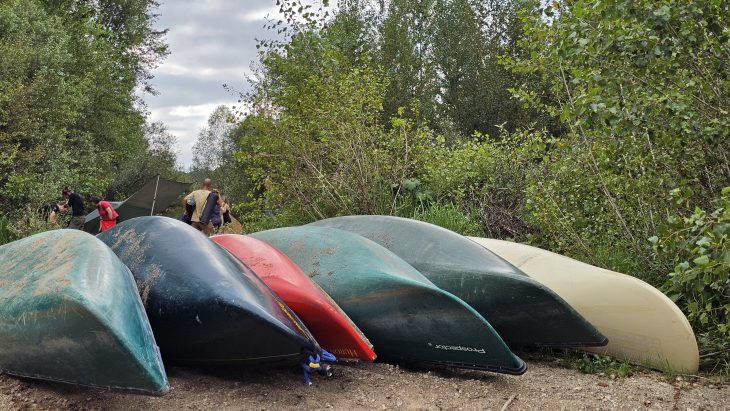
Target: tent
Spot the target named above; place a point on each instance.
(156, 196)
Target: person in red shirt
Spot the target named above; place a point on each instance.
(107, 215)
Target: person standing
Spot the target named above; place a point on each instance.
(76, 202)
(198, 198)
(217, 218)
(107, 214)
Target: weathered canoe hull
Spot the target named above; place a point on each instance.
(70, 312)
(405, 316)
(331, 327)
(643, 325)
(205, 306)
(524, 312)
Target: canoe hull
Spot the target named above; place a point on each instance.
(405, 316)
(330, 326)
(71, 313)
(524, 312)
(643, 325)
(205, 306)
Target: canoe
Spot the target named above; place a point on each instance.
(205, 306)
(406, 317)
(643, 325)
(331, 327)
(524, 312)
(70, 312)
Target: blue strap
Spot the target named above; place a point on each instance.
(326, 356)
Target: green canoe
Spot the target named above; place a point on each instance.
(70, 312)
(523, 311)
(403, 314)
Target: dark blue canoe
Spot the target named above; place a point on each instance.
(70, 312)
(205, 306)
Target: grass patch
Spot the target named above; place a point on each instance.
(450, 217)
(6, 235)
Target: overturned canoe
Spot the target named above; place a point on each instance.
(70, 312)
(205, 306)
(643, 325)
(331, 327)
(523, 311)
(405, 316)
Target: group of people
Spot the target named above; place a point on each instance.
(74, 202)
(207, 221)
(204, 217)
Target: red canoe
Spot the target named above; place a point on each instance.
(331, 327)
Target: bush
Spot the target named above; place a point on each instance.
(6, 235)
(448, 216)
(699, 246)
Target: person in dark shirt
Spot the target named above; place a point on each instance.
(76, 202)
(50, 212)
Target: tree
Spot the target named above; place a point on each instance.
(68, 112)
(406, 53)
(214, 143)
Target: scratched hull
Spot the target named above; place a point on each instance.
(405, 316)
(523, 311)
(205, 306)
(70, 312)
(332, 328)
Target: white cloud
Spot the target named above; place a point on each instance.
(212, 42)
(258, 15)
(220, 72)
(193, 111)
(185, 122)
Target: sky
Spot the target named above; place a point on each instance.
(212, 42)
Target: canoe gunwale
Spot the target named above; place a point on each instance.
(469, 366)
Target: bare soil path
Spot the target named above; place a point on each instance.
(545, 386)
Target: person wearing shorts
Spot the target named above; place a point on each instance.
(198, 199)
(107, 215)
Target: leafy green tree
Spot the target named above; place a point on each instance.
(642, 90)
(214, 141)
(68, 112)
(406, 54)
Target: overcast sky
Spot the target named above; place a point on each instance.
(212, 42)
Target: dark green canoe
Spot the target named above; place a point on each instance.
(204, 305)
(403, 314)
(70, 312)
(523, 311)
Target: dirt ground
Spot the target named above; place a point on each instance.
(545, 386)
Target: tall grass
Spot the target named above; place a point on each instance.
(6, 235)
(450, 217)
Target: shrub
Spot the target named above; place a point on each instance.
(448, 216)
(699, 246)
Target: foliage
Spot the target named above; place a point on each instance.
(68, 113)
(316, 138)
(214, 143)
(598, 364)
(448, 216)
(699, 246)
(642, 90)
(6, 235)
(214, 156)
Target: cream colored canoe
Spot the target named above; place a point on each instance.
(642, 324)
